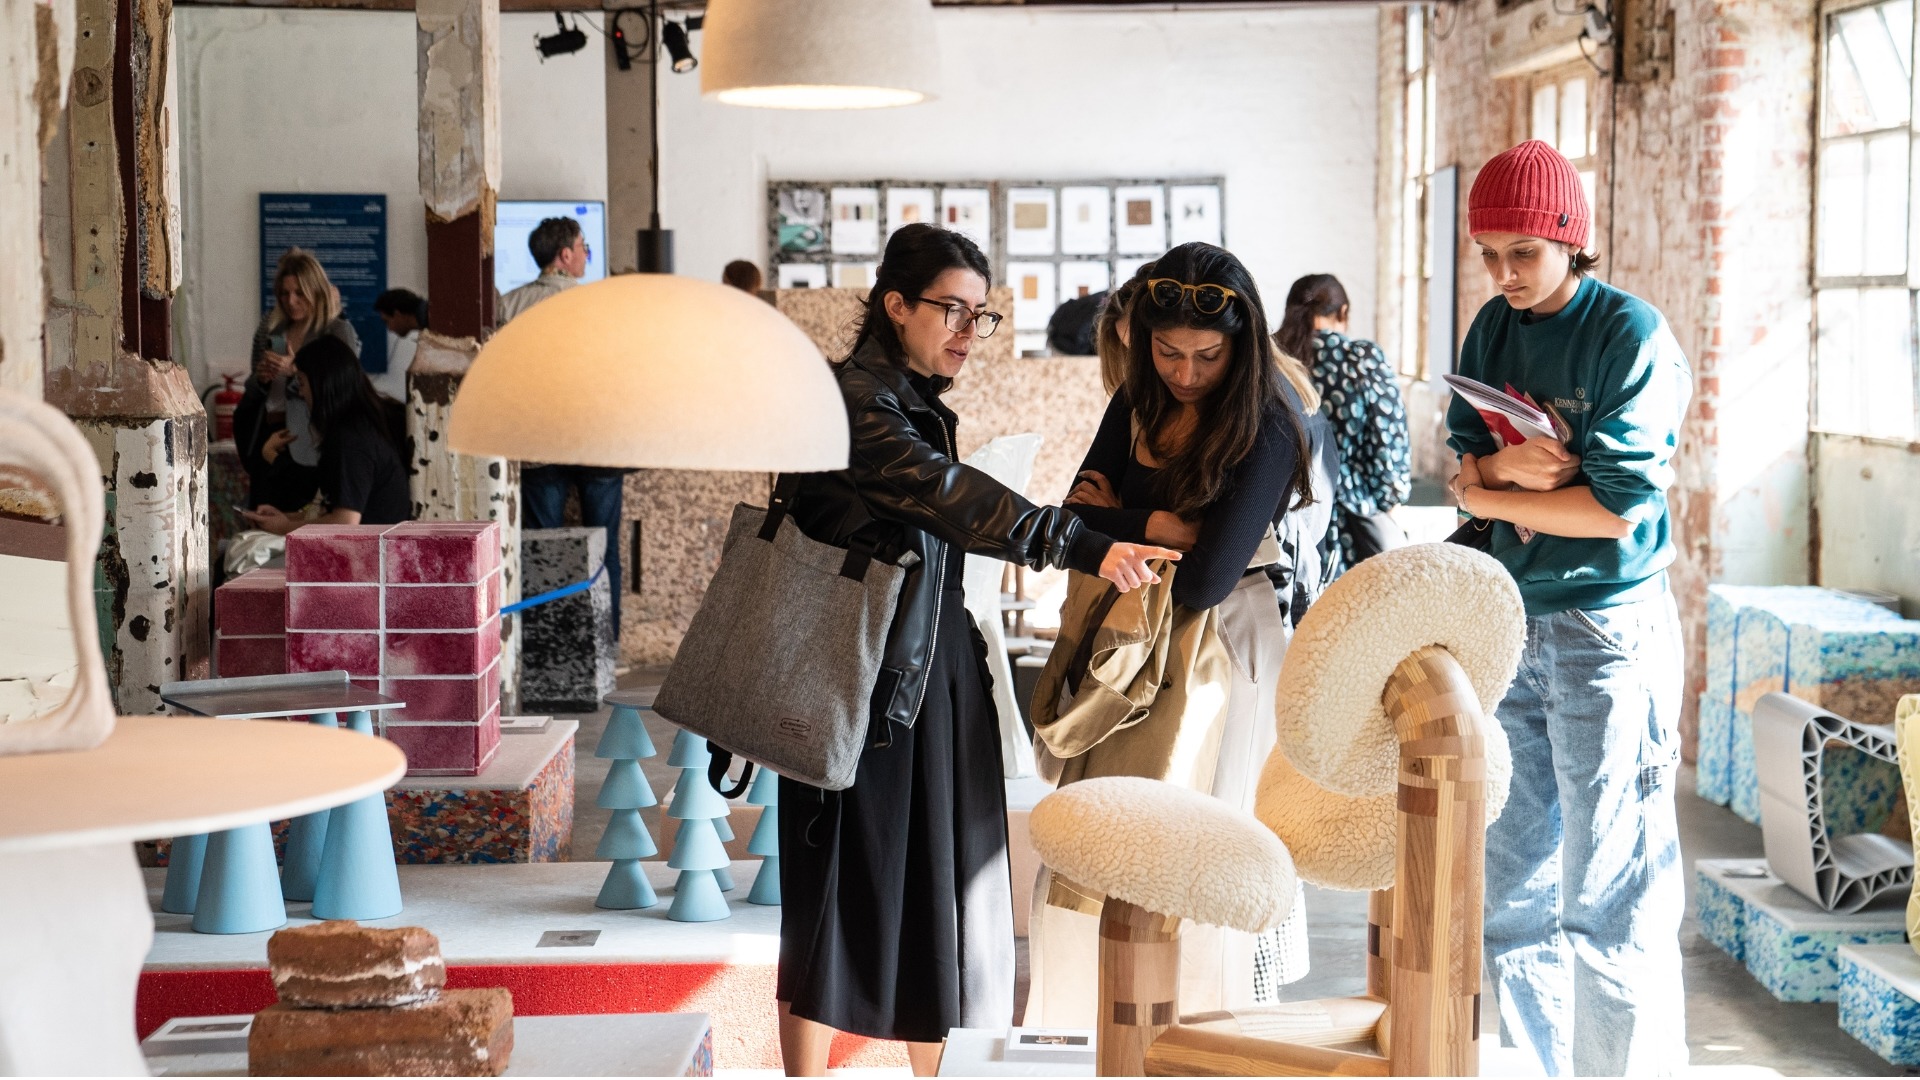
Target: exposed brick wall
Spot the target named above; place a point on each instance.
(1703, 210)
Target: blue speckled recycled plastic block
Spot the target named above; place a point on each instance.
(1788, 943)
(1880, 1000)
(1722, 914)
(1765, 621)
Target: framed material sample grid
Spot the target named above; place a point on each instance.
(1051, 241)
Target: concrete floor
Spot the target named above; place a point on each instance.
(1733, 1024)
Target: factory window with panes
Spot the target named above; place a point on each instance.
(1560, 113)
(1866, 273)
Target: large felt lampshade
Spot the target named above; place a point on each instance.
(653, 371)
(819, 54)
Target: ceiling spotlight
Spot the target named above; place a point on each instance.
(568, 39)
(673, 35)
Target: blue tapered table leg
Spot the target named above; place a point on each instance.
(184, 860)
(306, 841)
(358, 878)
(239, 883)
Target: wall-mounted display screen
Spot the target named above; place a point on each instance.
(514, 221)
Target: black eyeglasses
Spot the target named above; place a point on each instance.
(1207, 299)
(959, 317)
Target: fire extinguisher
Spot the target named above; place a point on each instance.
(225, 401)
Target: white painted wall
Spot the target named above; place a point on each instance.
(1869, 519)
(325, 101)
(1283, 103)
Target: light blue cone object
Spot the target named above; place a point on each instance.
(766, 835)
(184, 860)
(626, 838)
(766, 788)
(626, 787)
(689, 752)
(625, 736)
(766, 883)
(306, 841)
(693, 797)
(627, 887)
(696, 898)
(697, 847)
(358, 878)
(239, 883)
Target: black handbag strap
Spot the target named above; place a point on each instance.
(717, 767)
(780, 504)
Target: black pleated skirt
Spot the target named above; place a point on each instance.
(898, 915)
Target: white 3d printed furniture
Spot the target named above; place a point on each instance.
(1840, 873)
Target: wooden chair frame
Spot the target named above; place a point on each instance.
(1421, 1015)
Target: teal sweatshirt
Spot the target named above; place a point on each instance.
(1609, 363)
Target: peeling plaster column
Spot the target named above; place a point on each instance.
(112, 236)
(36, 59)
(459, 76)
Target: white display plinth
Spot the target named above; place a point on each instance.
(618, 1044)
(74, 924)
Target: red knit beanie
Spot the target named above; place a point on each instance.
(1532, 190)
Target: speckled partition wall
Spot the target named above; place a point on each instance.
(684, 514)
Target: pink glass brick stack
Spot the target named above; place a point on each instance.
(411, 610)
(250, 625)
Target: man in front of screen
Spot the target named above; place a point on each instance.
(560, 251)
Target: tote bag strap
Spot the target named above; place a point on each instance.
(717, 767)
(780, 505)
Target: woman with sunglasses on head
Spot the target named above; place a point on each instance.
(897, 916)
(1584, 890)
(1202, 448)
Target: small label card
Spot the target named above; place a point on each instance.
(1064, 1046)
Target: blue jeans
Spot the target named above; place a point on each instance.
(1584, 888)
(543, 501)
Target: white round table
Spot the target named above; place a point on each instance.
(74, 923)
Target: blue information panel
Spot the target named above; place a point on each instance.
(348, 234)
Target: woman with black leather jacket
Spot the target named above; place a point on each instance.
(897, 917)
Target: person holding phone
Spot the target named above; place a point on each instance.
(306, 307)
(362, 476)
(1584, 892)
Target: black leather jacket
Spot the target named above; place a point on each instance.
(905, 493)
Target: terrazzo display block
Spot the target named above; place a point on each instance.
(1763, 624)
(1720, 911)
(1880, 1000)
(354, 652)
(436, 607)
(250, 625)
(335, 553)
(1787, 942)
(236, 657)
(333, 607)
(517, 810)
(253, 604)
(446, 749)
(440, 552)
(568, 650)
(441, 652)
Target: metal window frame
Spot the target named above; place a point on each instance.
(1910, 279)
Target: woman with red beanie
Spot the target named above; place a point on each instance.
(1584, 894)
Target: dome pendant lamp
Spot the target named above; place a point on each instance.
(819, 54)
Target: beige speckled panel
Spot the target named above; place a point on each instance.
(685, 514)
(1906, 723)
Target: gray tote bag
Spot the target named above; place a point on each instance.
(779, 663)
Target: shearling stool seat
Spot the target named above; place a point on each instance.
(1388, 772)
(1160, 854)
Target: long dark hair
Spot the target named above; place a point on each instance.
(343, 396)
(1315, 294)
(916, 254)
(1196, 475)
